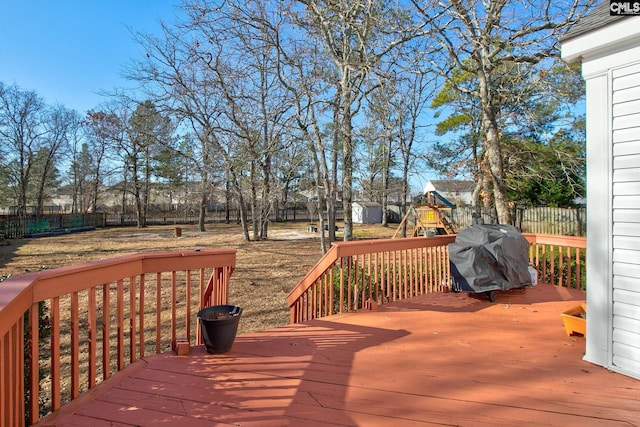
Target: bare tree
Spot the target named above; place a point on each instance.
(148, 132)
(80, 164)
(302, 70)
(480, 37)
(92, 164)
(356, 36)
(409, 100)
(59, 124)
(215, 72)
(22, 125)
(236, 36)
(179, 83)
(79, 175)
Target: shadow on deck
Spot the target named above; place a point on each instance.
(438, 359)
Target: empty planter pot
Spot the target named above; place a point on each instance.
(219, 325)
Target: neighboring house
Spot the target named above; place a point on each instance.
(63, 202)
(609, 47)
(367, 213)
(459, 193)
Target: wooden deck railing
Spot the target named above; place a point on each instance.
(62, 331)
(559, 260)
(354, 274)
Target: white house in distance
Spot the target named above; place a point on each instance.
(609, 47)
(457, 192)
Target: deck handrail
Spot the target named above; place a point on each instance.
(392, 269)
(559, 260)
(353, 274)
(88, 304)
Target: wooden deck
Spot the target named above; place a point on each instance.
(440, 359)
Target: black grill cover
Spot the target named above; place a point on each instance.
(488, 258)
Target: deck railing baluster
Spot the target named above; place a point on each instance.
(69, 298)
(34, 352)
(141, 316)
(55, 354)
(92, 338)
(75, 350)
(120, 323)
(159, 311)
(106, 322)
(132, 319)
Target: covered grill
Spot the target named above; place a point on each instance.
(489, 257)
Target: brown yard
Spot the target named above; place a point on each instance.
(265, 271)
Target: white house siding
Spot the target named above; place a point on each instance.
(625, 336)
(609, 48)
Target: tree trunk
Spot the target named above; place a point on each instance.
(227, 198)
(405, 192)
(242, 210)
(494, 156)
(265, 196)
(136, 192)
(243, 218)
(323, 239)
(347, 159)
(255, 212)
(147, 185)
(332, 195)
(202, 215)
(493, 151)
(385, 178)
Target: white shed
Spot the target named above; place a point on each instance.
(367, 213)
(609, 47)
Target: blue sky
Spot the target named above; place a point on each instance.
(68, 51)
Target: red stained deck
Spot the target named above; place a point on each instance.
(439, 359)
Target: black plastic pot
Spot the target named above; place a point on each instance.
(219, 325)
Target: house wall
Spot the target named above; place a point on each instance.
(625, 83)
(611, 68)
(461, 198)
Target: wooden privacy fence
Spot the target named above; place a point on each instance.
(352, 275)
(63, 331)
(541, 220)
(550, 220)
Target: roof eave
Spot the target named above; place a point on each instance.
(594, 43)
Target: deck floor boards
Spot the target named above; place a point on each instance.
(433, 360)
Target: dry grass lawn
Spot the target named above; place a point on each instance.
(265, 272)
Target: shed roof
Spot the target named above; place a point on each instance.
(367, 204)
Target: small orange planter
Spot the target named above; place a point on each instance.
(575, 320)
